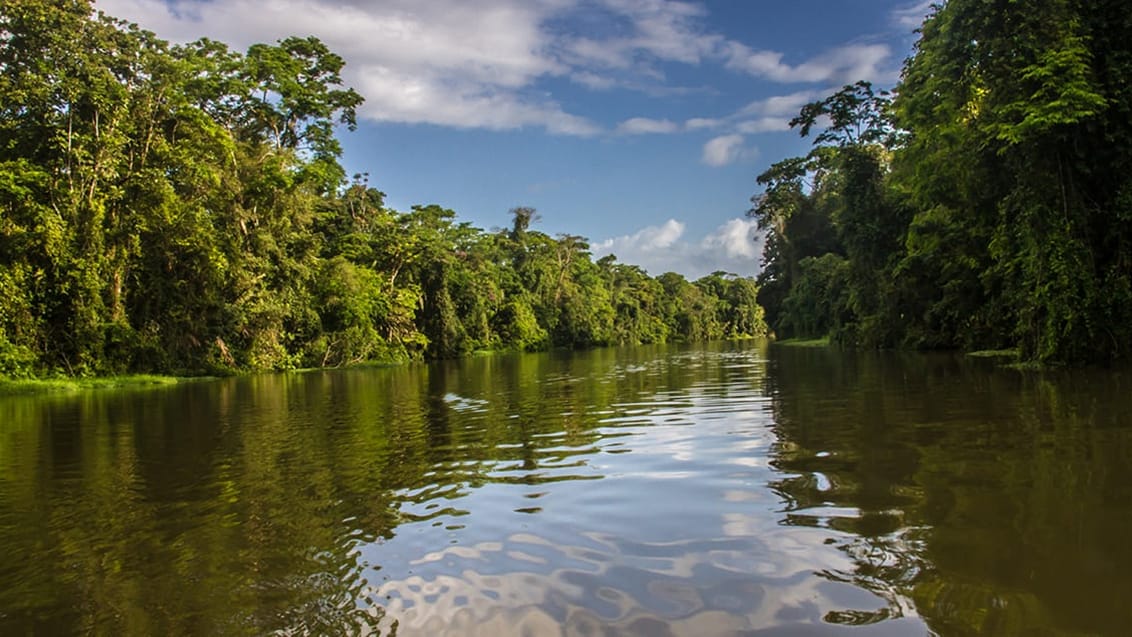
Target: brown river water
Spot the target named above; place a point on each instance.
(720, 489)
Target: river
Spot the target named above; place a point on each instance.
(721, 489)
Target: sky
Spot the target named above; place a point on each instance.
(638, 124)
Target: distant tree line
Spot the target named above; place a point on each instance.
(182, 209)
(987, 203)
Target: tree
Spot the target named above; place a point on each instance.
(834, 201)
(1016, 128)
(182, 209)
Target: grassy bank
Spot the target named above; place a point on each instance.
(60, 385)
(995, 353)
(1011, 359)
(804, 342)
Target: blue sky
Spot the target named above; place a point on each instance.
(639, 124)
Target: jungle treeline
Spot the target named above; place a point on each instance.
(182, 209)
(986, 203)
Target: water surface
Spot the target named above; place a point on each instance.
(728, 489)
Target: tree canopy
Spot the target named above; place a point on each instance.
(985, 203)
(182, 209)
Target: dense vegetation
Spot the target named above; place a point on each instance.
(987, 204)
(182, 209)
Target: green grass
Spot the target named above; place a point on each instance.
(804, 342)
(1012, 359)
(60, 385)
(1028, 366)
(994, 353)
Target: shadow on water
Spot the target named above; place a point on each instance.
(999, 501)
(725, 489)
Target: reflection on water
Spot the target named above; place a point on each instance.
(722, 490)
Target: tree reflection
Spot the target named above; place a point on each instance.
(995, 500)
(241, 506)
(983, 500)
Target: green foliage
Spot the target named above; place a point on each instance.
(985, 206)
(16, 361)
(834, 231)
(818, 303)
(182, 209)
(517, 327)
(351, 303)
(736, 312)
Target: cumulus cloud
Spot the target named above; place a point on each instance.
(593, 81)
(401, 34)
(912, 16)
(842, 65)
(722, 150)
(772, 113)
(665, 30)
(445, 62)
(453, 62)
(735, 246)
(829, 71)
(780, 105)
(479, 64)
(763, 125)
(645, 125)
(735, 239)
(767, 115)
(415, 99)
(645, 240)
(699, 123)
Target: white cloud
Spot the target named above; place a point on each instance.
(479, 64)
(698, 123)
(494, 41)
(661, 29)
(397, 97)
(722, 150)
(772, 114)
(912, 16)
(645, 240)
(842, 65)
(763, 125)
(768, 115)
(781, 105)
(445, 62)
(454, 62)
(830, 70)
(735, 246)
(644, 125)
(736, 239)
(593, 81)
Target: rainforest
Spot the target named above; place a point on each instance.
(637, 456)
(984, 204)
(181, 209)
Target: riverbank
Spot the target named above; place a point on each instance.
(64, 385)
(1005, 358)
(804, 342)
